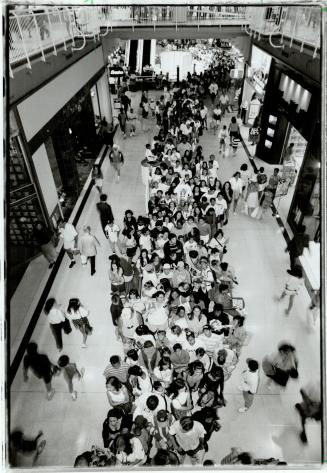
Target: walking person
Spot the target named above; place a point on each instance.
(79, 314)
(44, 236)
(105, 212)
(222, 137)
(87, 245)
(310, 407)
(69, 235)
(122, 118)
(249, 383)
(112, 233)
(97, 176)
(234, 130)
(70, 371)
(117, 160)
(56, 319)
(281, 365)
(20, 444)
(41, 366)
(292, 287)
(237, 188)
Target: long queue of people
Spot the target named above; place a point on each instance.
(175, 308)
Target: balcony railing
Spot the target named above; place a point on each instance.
(295, 23)
(33, 33)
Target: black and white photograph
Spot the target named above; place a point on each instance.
(163, 235)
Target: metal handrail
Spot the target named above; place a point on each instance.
(34, 32)
(294, 23)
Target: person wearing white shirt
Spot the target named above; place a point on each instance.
(237, 188)
(249, 384)
(112, 233)
(191, 344)
(148, 405)
(223, 100)
(292, 287)
(220, 209)
(136, 457)
(56, 317)
(204, 114)
(210, 340)
(183, 191)
(69, 234)
(213, 89)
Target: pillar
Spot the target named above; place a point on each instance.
(127, 52)
(153, 52)
(139, 57)
(105, 97)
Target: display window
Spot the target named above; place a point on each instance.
(291, 161)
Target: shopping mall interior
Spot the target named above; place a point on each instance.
(164, 236)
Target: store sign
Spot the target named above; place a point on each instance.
(116, 72)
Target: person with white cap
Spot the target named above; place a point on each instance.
(116, 159)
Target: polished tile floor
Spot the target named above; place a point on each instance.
(256, 250)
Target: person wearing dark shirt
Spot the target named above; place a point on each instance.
(159, 228)
(43, 236)
(296, 246)
(209, 419)
(173, 246)
(125, 101)
(41, 367)
(105, 212)
(219, 315)
(117, 423)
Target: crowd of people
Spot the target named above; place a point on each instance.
(175, 301)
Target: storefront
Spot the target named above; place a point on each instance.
(25, 209)
(290, 140)
(255, 81)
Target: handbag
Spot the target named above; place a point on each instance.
(66, 326)
(294, 373)
(86, 324)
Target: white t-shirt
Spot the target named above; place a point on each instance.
(112, 232)
(220, 206)
(68, 233)
(187, 440)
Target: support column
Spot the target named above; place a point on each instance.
(153, 52)
(139, 58)
(105, 98)
(127, 52)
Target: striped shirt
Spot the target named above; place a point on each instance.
(120, 373)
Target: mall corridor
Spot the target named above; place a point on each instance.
(207, 344)
(257, 252)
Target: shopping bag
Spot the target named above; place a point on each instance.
(83, 259)
(66, 326)
(257, 213)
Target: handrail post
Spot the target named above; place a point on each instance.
(38, 36)
(176, 17)
(23, 42)
(61, 22)
(295, 24)
(51, 34)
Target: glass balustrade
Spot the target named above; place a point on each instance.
(297, 22)
(35, 32)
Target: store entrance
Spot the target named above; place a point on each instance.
(291, 161)
(72, 148)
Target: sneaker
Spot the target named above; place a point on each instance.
(93, 272)
(82, 371)
(72, 263)
(84, 345)
(242, 409)
(303, 437)
(50, 394)
(74, 395)
(287, 312)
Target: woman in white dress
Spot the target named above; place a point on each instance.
(237, 187)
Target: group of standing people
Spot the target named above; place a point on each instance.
(174, 304)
